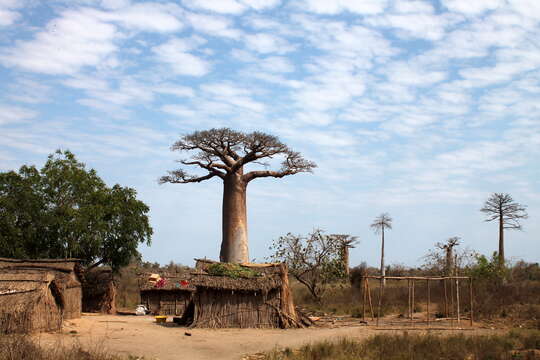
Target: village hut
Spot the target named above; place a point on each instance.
(99, 291)
(30, 301)
(242, 296)
(166, 294)
(66, 274)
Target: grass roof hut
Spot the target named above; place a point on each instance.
(242, 296)
(30, 301)
(99, 291)
(166, 294)
(66, 274)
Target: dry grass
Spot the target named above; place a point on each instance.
(515, 345)
(21, 347)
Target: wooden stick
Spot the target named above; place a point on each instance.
(412, 301)
(445, 300)
(370, 303)
(380, 299)
(417, 277)
(364, 298)
(428, 300)
(409, 313)
(471, 299)
(457, 299)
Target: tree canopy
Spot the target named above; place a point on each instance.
(314, 260)
(222, 152)
(64, 210)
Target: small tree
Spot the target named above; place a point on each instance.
(383, 221)
(501, 207)
(313, 260)
(223, 153)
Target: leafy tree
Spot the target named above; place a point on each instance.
(501, 207)
(314, 260)
(224, 153)
(383, 221)
(66, 211)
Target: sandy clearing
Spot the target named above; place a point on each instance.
(141, 336)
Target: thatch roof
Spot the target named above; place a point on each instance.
(268, 278)
(63, 265)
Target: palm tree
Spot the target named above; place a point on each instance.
(379, 224)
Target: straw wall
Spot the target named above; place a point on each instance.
(166, 302)
(227, 308)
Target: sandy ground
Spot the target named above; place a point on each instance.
(141, 336)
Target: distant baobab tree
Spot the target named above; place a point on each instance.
(501, 207)
(223, 153)
(346, 242)
(383, 221)
(448, 248)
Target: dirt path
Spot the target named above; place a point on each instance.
(141, 336)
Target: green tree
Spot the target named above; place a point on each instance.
(66, 211)
(314, 260)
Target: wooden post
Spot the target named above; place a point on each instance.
(370, 303)
(457, 300)
(453, 309)
(409, 298)
(445, 300)
(471, 299)
(412, 301)
(428, 300)
(364, 298)
(380, 299)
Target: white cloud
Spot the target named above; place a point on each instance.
(233, 95)
(179, 110)
(267, 43)
(175, 54)
(10, 114)
(146, 16)
(65, 46)
(337, 6)
(213, 25)
(221, 6)
(261, 4)
(406, 74)
(472, 7)
(30, 91)
(276, 64)
(8, 13)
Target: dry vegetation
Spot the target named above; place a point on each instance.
(523, 345)
(22, 347)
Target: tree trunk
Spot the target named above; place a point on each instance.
(501, 239)
(234, 243)
(345, 260)
(383, 270)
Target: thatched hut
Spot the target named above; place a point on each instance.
(257, 296)
(167, 295)
(99, 291)
(66, 274)
(30, 301)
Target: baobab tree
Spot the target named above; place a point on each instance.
(346, 242)
(448, 248)
(224, 153)
(501, 207)
(383, 221)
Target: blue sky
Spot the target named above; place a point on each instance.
(416, 108)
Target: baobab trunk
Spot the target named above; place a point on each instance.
(383, 270)
(501, 239)
(234, 244)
